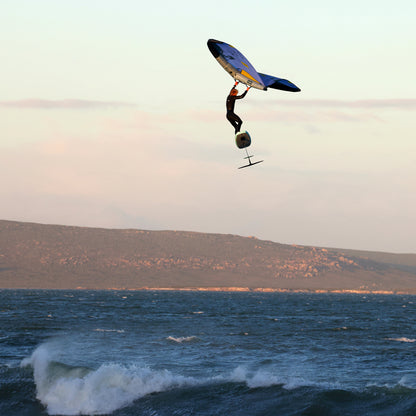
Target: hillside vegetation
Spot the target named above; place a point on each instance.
(63, 257)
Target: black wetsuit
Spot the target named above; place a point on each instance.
(231, 116)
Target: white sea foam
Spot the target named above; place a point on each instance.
(402, 339)
(253, 380)
(182, 339)
(69, 390)
(266, 378)
(408, 381)
(120, 331)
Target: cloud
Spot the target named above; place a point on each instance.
(206, 116)
(66, 104)
(325, 111)
(309, 115)
(394, 103)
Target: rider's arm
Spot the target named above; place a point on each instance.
(242, 95)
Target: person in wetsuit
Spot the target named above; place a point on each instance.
(233, 118)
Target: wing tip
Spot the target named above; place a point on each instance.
(212, 46)
(279, 83)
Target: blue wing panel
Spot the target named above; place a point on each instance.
(278, 83)
(239, 61)
(234, 62)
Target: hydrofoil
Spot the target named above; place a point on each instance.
(243, 140)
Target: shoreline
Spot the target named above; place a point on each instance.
(231, 289)
(256, 290)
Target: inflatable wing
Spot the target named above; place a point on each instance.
(238, 66)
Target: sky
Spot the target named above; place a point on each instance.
(112, 114)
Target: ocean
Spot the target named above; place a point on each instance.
(165, 353)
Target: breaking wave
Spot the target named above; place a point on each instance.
(72, 390)
(79, 390)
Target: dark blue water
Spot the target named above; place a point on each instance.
(189, 353)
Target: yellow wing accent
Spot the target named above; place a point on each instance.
(246, 74)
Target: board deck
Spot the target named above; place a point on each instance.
(242, 139)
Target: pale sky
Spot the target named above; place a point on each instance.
(112, 114)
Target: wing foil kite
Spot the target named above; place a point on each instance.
(238, 66)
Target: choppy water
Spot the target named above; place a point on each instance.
(189, 353)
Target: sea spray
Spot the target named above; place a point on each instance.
(268, 378)
(70, 390)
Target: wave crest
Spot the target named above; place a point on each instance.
(71, 390)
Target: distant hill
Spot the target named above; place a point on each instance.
(63, 257)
